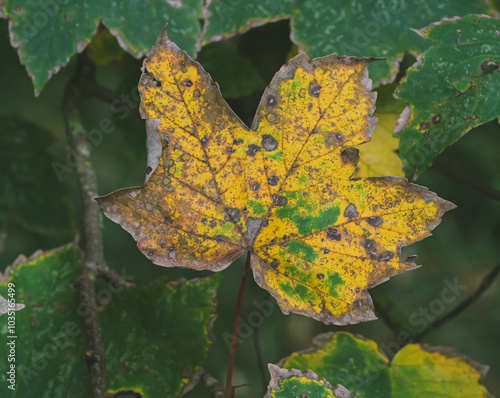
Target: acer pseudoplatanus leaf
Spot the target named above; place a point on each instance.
(280, 191)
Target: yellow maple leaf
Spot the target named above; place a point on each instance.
(280, 191)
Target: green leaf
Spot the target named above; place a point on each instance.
(155, 337)
(47, 33)
(451, 89)
(415, 371)
(304, 384)
(361, 28)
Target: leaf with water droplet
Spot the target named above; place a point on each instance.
(417, 370)
(451, 89)
(318, 239)
(295, 383)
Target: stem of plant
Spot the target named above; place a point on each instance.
(236, 324)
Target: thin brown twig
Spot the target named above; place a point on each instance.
(484, 188)
(93, 253)
(236, 324)
(486, 282)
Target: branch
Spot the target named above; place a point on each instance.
(479, 186)
(93, 260)
(486, 282)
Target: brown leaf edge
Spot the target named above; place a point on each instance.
(279, 374)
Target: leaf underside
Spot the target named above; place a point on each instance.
(280, 190)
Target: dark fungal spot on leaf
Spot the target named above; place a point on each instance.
(157, 82)
(350, 211)
(212, 224)
(334, 139)
(326, 251)
(273, 180)
(314, 90)
(375, 221)
(358, 304)
(149, 169)
(253, 226)
(424, 125)
(255, 186)
(370, 247)
(279, 200)
(304, 395)
(269, 142)
(234, 214)
(171, 248)
(489, 66)
(275, 263)
(187, 83)
(333, 234)
(271, 101)
(357, 290)
(196, 94)
(252, 149)
(350, 155)
(204, 141)
(230, 150)
(385, 256)
(320, 276)
(238, 141)
(436, 119)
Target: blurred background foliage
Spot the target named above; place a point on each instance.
(37, 211)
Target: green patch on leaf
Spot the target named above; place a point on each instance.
(302, 213)
(278, 156)
(257, 207)
(302, 250)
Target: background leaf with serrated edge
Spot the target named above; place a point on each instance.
(297, 383)
(47, 34)
(51, 332)
(281, 190)
(359, 28)
(378, 157)
(451, 89)
(415, 371)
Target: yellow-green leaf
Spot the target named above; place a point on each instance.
(304, 384)
(416, 370)
(280, 190)
(379, 157)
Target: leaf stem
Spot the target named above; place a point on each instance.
(236, 324)
(93, 261)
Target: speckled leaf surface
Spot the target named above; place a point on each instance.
(378, 157)
(281, 190)
(165, 330)
(415, 371)
(304, 384)
(451, 89)
(47, 33)
(355, 27)
(50, 344)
